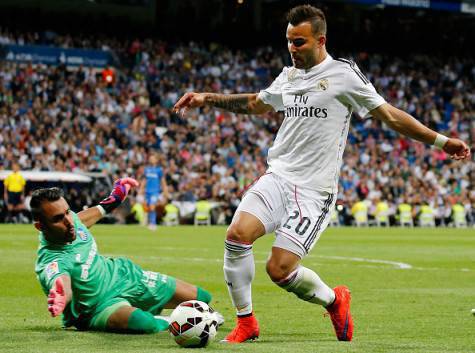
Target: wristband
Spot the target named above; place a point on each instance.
(440, 141)
(110, 204)
(101, 210)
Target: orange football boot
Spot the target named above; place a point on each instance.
(247, 329)
(340, 314)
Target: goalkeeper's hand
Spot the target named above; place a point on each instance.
(57, 298)
(118, 194)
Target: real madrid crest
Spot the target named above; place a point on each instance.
(323, 84)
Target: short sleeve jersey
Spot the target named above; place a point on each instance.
(94, 278)
(14, 182)
(317, 105)
(153, 177)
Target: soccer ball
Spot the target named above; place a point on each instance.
(193, 324)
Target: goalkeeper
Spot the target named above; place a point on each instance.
(94, 292)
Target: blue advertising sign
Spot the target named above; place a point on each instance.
(39, 54)
(444, 5)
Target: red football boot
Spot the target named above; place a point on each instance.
(340, 314)
(247, 329)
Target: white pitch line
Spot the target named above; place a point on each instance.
(204, 259)
(395, 264)
(400, 265)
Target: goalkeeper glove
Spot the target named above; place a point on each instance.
(118, 194)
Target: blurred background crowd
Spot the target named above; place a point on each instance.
(111, 120)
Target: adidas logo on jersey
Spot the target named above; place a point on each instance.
(291, 74)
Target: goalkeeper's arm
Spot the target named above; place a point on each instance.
(92, 215)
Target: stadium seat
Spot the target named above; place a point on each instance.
(203, 213)
(138, 213)
(405, 215)
(382, 214)
(172, 215)
(360, 214)
(427, 216)
(459, 218)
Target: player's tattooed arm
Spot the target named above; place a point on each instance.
(247, 103)
(237, 103)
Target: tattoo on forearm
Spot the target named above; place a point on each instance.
(237, 103)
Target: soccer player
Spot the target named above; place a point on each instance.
(14, 193)
(156, 190)
(318, 95)
(94, 292)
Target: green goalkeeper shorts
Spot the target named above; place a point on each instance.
(150, 294)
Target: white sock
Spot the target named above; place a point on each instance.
(239, 272)
(306, 285)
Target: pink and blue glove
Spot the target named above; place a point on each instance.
(57, 298)
(118, 194)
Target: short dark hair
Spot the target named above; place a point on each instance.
(304, 13)
(39, 196)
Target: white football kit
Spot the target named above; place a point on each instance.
(295, 196)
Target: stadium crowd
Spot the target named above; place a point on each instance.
(55, 119)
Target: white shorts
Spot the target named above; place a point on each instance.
(297, 215)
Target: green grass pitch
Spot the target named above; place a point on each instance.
(413, 290)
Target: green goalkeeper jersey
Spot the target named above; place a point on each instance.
(95, 280)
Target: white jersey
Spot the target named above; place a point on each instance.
(317, 104)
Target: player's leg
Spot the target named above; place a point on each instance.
(122, 317)
(185, 291)
(11, 203)
(239, 271)
(130, 319)
(238, 257)
(285, 270)
(254, 217)
(17, 207)
(9, 217)
(308, 216)
(151, 200)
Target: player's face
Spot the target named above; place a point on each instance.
(153, 160)
(304, 46)
(57, 222)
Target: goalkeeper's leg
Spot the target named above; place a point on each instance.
(134, 320)
(185, 291)
(122, 317)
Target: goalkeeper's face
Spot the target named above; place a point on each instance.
(57, 222)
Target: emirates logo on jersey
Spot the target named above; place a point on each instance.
(301, 110)
(323, 84)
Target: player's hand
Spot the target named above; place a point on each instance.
(189, 100)
(57, 298)
(119, 193)
(457, 149)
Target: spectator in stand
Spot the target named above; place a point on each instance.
(55, 119)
